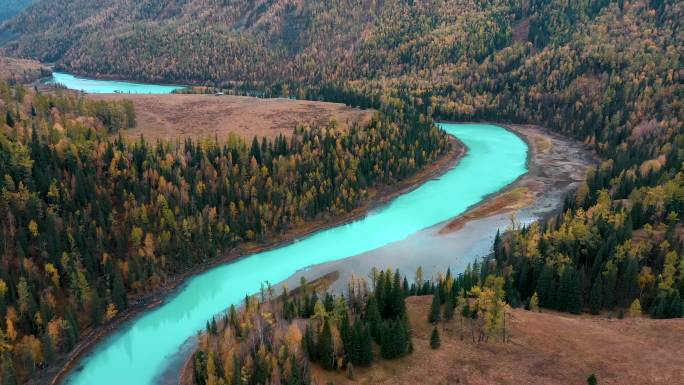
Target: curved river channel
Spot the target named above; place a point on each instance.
(142, 349)
(139, 352)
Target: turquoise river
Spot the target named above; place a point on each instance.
(93, 86)
(140, 351)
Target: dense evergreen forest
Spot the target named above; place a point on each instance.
(274, 339)
(87, 220)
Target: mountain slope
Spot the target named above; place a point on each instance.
(304, 40)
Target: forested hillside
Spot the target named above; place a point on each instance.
(87, 220)
(309, 42)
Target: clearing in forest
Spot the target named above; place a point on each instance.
(200, 116)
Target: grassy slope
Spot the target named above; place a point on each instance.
(545, 348)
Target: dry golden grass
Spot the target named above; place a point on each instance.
(546, 348)
(201, 116)
(21, 70)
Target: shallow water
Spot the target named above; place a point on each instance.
(93, 86)
(141, 350)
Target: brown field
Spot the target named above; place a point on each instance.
(21, 70)
(200, 116)
(545, 348)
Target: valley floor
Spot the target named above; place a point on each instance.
(141, 304)
(206, 116)
(557, 165)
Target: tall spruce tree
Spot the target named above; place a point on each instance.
(596, 296)
(324, 348)
(435, 309)
(449, 307)
(544, 287)
(434, 339)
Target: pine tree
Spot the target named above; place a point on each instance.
(96, 308)
(434, 339)
(449, 307)
(592, 380)
(295, 376)
(348, 338)
(365, 357)
(325, 348)
(8, 374)
(398, 306)
(119, 296)
(569, 292)
(48, 348)
(596, 296)
(609, 285)
(435, 309)
(627, 287)
(9, 120)
(574, 301)
(309, 344)
(544, 287)
(237, 372)
(214, 326)
(372, 317)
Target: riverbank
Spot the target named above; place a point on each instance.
(548, 167)
(556, 166)
(376, 198)
(319, 285)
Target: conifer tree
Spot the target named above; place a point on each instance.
(592, 380)
(365, 356)
(372, 317)
(609, 283)
(434, 339)
(237, 372)
(449, 307)
(544, 287)
(348, 338)
(309, 344)
(596, 296)
(48, 348)
(435, 309)
(324, 347)
(574, 301)
(294, 378)
(8, 374)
